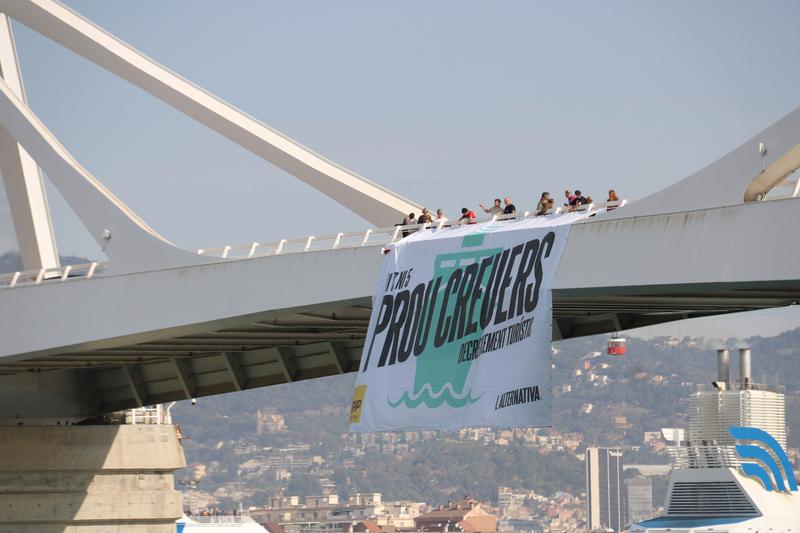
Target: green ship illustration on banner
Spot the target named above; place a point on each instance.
(440, 378)
(443, 301)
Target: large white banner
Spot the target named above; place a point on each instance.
(461, 328)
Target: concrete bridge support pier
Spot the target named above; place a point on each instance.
(87, 479)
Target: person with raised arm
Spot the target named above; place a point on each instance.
(494, 210)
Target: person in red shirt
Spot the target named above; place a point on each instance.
(467, 216)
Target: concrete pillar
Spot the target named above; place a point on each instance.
(87, 479)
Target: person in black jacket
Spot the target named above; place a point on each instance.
(510, 208)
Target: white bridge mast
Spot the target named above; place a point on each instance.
(21, 176)
(371, 201)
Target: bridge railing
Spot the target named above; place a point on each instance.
(312, 243)
(62, 273)
(377, 237)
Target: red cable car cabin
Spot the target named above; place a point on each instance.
(616, 346)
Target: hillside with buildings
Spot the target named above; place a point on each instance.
(284, 442)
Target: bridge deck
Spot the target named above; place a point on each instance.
(120, 340)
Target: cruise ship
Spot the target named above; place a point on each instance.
(731, 475)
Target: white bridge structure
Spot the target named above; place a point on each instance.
(157, 323)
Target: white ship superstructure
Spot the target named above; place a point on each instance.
(218, 524)
(712, 488)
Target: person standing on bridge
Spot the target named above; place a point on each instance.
(543, 201)
(410, 219)
(467, 216)
(580, 199)
(494, 210)
(613, 200)
(425, 217)
(510, 208)
(547, 205)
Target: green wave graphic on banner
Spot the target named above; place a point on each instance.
(439, 377)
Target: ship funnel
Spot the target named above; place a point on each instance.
(723, 367)
(745, 376)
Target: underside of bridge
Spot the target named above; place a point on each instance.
(252, 352)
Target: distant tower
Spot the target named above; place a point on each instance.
(260, 420)
(640, 499)
(605, 497)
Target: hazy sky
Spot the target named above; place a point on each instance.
(447, 103)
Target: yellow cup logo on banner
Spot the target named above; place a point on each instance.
(358, 403)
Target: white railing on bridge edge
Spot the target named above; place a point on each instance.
(377, 237)
(371, 237)
(41, 275)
